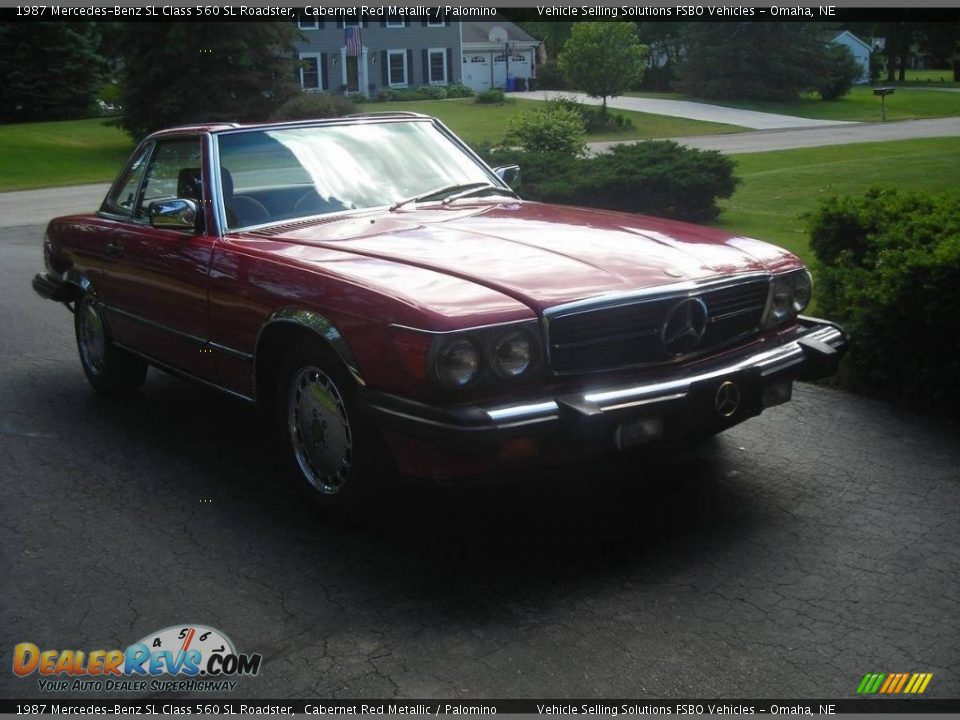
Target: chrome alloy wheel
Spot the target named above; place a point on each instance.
(319, 430)
(93, 338)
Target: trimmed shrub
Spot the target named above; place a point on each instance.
(307, 106)
(433, 92)
(555, 129)
(424, 92)
(593, 117)
(657, 178)
(493, 96)
(889, 269)
(459, 91)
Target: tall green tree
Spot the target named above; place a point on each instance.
(49, 70)
(603, 58)
(179, 73)
(752, 60)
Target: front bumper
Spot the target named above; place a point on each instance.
(670, 404)
(49, 287)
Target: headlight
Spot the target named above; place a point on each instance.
(512, 355)
(789, 296)
(781, 301)
(458, 363)
(802, 291)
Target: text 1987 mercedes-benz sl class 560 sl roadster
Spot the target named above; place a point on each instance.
(390, 298)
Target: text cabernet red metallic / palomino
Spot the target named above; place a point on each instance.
(394, 303)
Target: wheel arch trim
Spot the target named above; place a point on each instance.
(315, 323)
(79, 280)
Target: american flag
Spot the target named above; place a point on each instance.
(353, 42)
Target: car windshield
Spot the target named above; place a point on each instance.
(282, 174)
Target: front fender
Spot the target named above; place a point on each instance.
(313, 322)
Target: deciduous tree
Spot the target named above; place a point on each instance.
(603, 58)
(752, 60)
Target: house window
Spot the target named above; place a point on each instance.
(479, 59)
(308, 24)
(397, 64)
(437, 61)
(311, 78)
(394, 23)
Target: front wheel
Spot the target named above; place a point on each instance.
(109, 369)
(339, 457)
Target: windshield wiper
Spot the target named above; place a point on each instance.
(439, 191)
(478, 190)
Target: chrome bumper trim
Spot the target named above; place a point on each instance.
(770, 361)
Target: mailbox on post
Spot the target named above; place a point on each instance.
(883, 92)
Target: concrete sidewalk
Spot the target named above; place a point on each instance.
(691, 110)
(769, 140)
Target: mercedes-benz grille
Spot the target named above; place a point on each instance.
(654, 329)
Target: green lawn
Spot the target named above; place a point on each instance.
(478, 123)
(777, 187)
(859, 105)
(73, 152)
(60, 153)
(942, 78)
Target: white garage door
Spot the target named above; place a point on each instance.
(476, 71)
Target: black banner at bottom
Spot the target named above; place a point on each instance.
(610, 708)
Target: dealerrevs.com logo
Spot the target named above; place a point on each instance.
(199, 657)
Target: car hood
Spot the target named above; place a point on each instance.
(541, 255)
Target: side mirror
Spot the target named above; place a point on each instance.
(176, 214)
(508, 173)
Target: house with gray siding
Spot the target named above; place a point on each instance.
(393, 52)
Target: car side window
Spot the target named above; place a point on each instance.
(124, 196)
(173, 172)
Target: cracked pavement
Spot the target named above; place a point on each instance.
(787, 557)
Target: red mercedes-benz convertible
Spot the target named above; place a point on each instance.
(388, 296)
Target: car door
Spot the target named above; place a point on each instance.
(155, 279)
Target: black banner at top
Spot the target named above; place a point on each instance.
(104, 10)
(611, 708)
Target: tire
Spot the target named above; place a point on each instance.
(339, 458)
(111, 370)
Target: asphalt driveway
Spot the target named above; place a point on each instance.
(786, 558)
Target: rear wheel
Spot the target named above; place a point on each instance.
(109, 369)
(339, 457)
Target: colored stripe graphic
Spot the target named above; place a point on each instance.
(870, 683)
(903, 681)
(894, 683)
